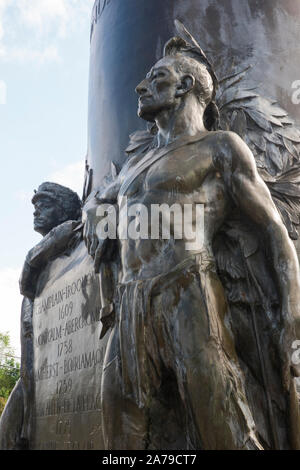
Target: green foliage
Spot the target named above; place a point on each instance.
(2, 404)
(9, 369)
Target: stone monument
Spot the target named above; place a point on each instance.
(59, 389)
(185, 310)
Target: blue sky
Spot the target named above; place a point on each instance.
(44, 60)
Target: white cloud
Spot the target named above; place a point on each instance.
(63, 15)
(3, 6)
(42, 14)
(71, 176)
(27, 25)
(23, 196)
(2, 92)
(11, 300)
(25, 55)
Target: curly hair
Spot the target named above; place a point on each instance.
(68, 201)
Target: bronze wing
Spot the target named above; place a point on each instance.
(242, 258)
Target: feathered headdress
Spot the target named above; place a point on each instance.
(188, 46)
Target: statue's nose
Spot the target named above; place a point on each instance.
(142, 88)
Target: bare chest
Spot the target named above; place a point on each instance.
(181, 171)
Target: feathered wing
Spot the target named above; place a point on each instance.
(254, 308)
(273, 138)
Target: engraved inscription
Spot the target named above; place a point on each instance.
(68, 359)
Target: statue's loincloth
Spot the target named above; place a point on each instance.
(174, 324)
(144, 337)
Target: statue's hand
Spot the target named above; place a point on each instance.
(296, 345)
(289, 339)
(27, 280)
(90, 221)
(50, 246)
(54, 242)
(297, 323)
(62, 234)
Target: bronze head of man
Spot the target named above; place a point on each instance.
(56, 215)
(183, 78)
(53, 205)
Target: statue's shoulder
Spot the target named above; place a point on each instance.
(223, 137)
(227, 144)
(229, 151)
(221, 144)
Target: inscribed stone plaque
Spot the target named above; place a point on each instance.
(68, 355)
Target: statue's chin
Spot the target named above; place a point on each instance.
(39, 229)
(145, 114)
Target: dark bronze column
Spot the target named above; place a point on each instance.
(128, 35)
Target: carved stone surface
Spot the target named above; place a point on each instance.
(56, 214)
(68, 355)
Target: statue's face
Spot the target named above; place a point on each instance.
(46, 215)
(158, 91)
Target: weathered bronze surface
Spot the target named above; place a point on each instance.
(128, 36)
(146, 344)
(184, 315)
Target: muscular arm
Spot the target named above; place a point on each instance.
(236, 163)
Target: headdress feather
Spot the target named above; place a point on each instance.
(188, 45)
